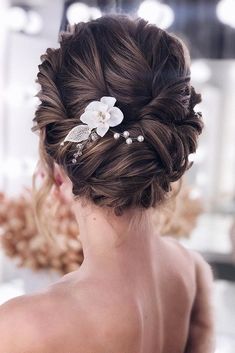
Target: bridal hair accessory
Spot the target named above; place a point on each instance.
(99, 115)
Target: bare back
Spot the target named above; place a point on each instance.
(148, 310)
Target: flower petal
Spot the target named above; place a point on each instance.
(116, 116)
(90, 117)
(78, 133)
(102, 129)
(109, 101)
(97, 106)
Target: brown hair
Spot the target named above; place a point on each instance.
(147, 70)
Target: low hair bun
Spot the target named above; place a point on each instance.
(147, 70)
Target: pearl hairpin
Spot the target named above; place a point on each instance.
(116, 136)
(126, 134)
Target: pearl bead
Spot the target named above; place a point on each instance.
(62, 143)
(116, 135)
(129, 141)
(126, 134)
(74, 160)
(140, 138)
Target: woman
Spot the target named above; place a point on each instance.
(117, 124)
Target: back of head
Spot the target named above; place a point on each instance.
(147, 70)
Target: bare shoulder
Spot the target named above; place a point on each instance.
(192, 256)
(19, 324)
(180, 252)
(56, 321)
(191, 260)
(37, 323)
(202, 269)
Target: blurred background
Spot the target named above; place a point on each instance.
(204, 218)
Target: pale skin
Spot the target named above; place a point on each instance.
(135, 292)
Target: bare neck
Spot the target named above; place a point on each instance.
(107, 240)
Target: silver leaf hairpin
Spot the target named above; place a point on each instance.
(78, 134)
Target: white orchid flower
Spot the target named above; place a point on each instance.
(98, 114)
(102, 114)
